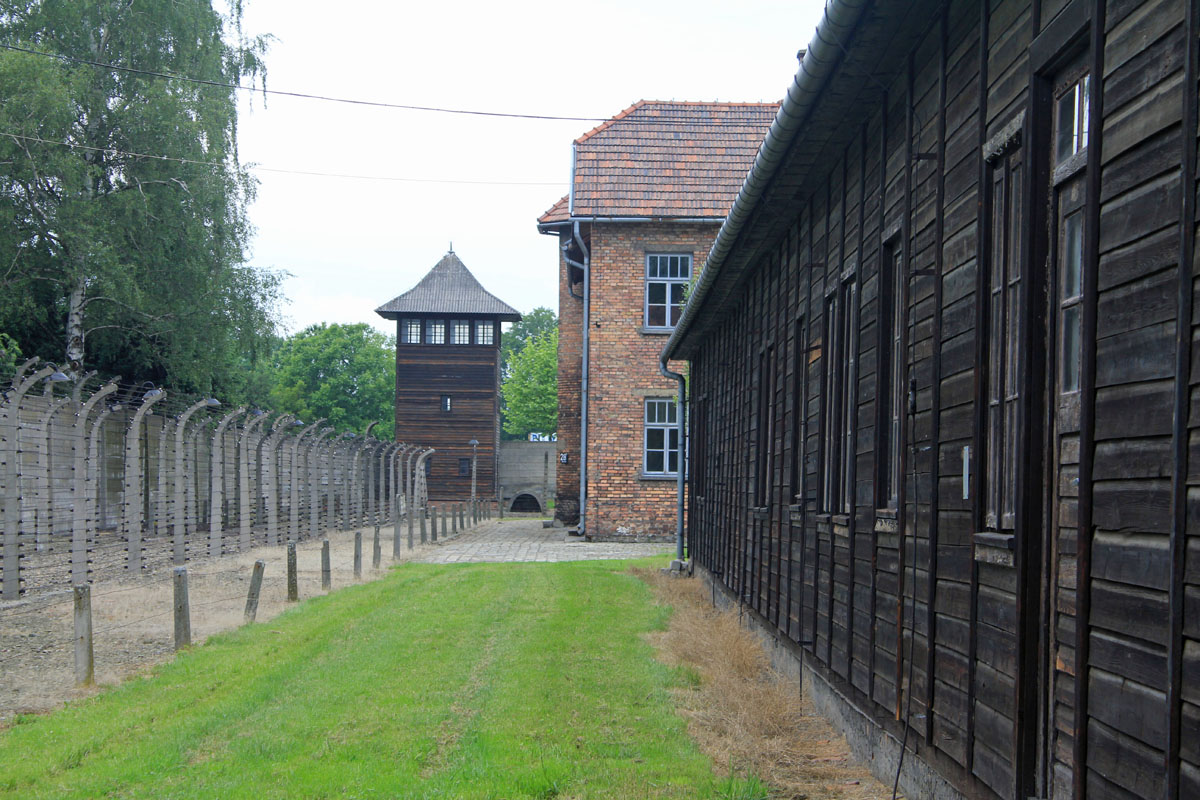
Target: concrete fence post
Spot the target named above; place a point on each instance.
(133, 517)
(376, 552)
(293, 583)
(500, 502)
(85, 664)
(255, 589)
(80, 520)
(216, 487)
(179, 486)
(183, 615)
(423, 512)
(453, 519)
(443, 523)
(247, 461)
(326, 570)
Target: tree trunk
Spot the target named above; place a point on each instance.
(75, 334)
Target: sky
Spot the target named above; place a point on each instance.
(350, 244)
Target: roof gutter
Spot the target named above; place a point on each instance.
(816, 67)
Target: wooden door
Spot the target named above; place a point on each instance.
(1064, 318)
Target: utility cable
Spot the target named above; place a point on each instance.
(256, 168)
(302, 95)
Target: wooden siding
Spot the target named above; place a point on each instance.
(470, 375)
(921, 613)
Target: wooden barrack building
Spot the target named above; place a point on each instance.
(944, 422)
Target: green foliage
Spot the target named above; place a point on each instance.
(113, 258)
(537, 322)
(536, 681)
(345, 373)
(530, 389)
(10, 354)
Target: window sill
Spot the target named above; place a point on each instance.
(658, 476)
(648, 331)
(760, 513)
(995, 548)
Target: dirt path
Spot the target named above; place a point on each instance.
(133, 623)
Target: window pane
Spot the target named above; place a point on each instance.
(673, 458)
(673, 438)
(1084, 103)
(654, 462)
(1065, 138)
(654, 438)
(669, 411)
(677, 293)
(656, 316)
(656, 293)
(1072, 255)
(1070, 349)
(483, 333)
(652, 266)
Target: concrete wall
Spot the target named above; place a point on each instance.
(527, 468)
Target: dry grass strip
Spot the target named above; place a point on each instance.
(745, 715)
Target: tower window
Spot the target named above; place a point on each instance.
(446, 403)
(484, 333)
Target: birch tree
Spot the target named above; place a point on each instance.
(126, 232)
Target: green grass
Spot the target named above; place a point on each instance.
(465, 681)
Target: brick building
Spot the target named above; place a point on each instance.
(448, 377)
(649, 190)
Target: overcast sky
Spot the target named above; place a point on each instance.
(352, 244)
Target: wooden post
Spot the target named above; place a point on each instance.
(396, 529)
(326, 572)
(183, 615)
(455, 511)
(443, 523)
(255, 588)
(358, 554)
(293, 587)
(396, 544)
(376, 552)
(85, 664)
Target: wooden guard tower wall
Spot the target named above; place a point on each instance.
(448, 377)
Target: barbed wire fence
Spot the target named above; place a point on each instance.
(115, 480)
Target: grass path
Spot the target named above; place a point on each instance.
(462, 681)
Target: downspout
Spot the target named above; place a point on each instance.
(679, 407)
(583, 386)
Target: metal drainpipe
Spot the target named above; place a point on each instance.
(583, 388)
(679, 406)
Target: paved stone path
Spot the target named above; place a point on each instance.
(524, 539)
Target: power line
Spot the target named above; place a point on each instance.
(691, 115)
(302, 95)
(256, 168)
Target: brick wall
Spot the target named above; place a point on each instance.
(622, 502)
(570, 352)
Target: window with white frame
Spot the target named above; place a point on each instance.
(410, 331)
(435, 331)
(661, 437)
(667, 276)
(460, 332)
(484, 332)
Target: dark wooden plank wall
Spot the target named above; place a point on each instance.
(866, 593)
(470, 375)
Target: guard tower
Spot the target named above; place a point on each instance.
(448, 377)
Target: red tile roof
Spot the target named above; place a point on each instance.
(667, 159)
(557, 212)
